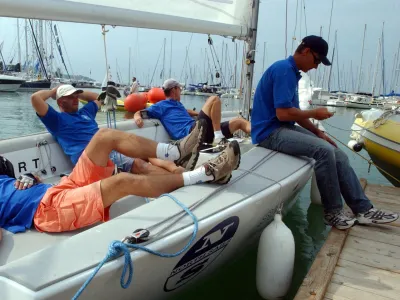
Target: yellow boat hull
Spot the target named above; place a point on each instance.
(120, 104)
(383, 146)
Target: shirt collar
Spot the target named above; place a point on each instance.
(294, 66)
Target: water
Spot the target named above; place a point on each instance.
(237, 279)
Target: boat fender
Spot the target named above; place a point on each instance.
(314, 192)
(275, 260)
(355, 146)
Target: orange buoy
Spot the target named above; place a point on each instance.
(146, 95)
(135, 102)
(155, 95)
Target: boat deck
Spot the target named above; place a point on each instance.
(362, 262)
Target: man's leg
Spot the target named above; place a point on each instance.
(292, 142)
(125, 184)
(184, 153)
(212, 108)
(350, 186)
(238, 123)
(166, 167)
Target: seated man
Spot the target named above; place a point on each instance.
(275, 111)
(73, 128)
(178, 121)
(84, 197)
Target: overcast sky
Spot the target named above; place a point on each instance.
(85, 49)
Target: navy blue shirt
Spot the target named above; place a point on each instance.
(278, 88)
(72, 131)
(174, 116)
(17, 207)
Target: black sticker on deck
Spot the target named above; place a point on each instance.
(201, 254)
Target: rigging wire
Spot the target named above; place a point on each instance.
(295, 25)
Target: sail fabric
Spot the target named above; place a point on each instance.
(221, 17)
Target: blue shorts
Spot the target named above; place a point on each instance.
(122, 161)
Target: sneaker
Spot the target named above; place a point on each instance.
(189, 146)
(339, 220)
(221, 167)
(377, 216)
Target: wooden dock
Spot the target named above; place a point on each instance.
(362, 263)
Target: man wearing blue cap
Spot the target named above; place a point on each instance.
(275, 112)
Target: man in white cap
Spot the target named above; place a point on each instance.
(179, 122)
(73, 128)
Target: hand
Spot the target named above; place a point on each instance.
(54, 92)
(322, 113)
(139, 122)
(326, 138)
(25, 181)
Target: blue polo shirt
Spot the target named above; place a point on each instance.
(174, 116)
(17, 207)
(72, 131)
(278, 88)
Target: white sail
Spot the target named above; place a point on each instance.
(221, 17)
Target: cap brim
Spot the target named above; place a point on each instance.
(325, 61)
(71, 92)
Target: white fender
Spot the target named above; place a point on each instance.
(275, 260)
(355, 146)
(314, 193)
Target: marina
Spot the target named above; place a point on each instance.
(259, 233)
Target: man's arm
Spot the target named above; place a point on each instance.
(296, 115)
(90, 96)
(192, 113)
(307, 124)
(39, 99)
(138, 118)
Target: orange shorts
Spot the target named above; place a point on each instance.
(76, 201)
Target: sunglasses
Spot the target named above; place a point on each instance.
(317, 60)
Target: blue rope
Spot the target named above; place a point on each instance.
(117, 248)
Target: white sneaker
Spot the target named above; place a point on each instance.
(339, 220)
(377, 216)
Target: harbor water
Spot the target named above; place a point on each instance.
(237, 279)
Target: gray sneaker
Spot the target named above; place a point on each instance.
(377, 216)
(221, 167)
(189, 146)
(339, 220)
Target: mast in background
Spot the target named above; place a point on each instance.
(362, 55)
(19, 44)
(250, 55)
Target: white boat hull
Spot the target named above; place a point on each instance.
(9, 87)
(230, 217)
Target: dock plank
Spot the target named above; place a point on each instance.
(379, 285)
(346, 292)
(318, 277)
(384, 234)
(370, 259)
(372, 246)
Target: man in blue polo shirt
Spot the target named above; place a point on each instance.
(178, 121)
(275, 112)
(73, 128)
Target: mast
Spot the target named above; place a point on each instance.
(376, 67)
(19, 44)
(250, 55)
(170, 59)
(163, 67)
(129, 66)
(330, 69)
(236, 58)
(383, 61)
(26, 45)
(362, 54)
(51, 48)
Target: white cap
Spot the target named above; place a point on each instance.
(170, 84)
(66, 90)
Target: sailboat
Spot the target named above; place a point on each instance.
(37, 265)
(377, 131)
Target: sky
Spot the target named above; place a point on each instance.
(85, 49)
